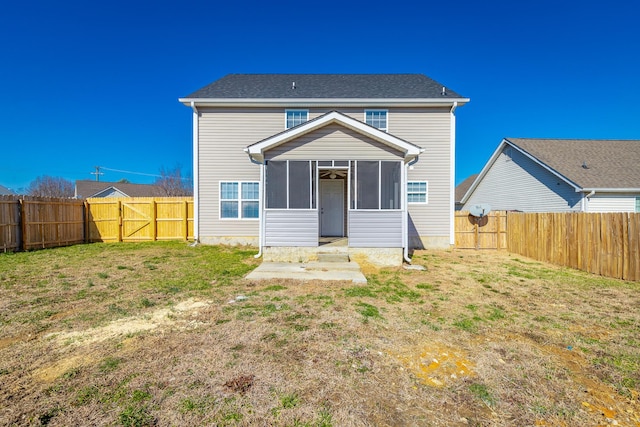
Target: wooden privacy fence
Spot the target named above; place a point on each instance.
(602, 243)
(488, 232)
(37, 222)
(139, 219)
(28, 223)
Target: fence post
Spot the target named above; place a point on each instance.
(185, 221)
(154, 220)
(119, 221)
(85, 204)
(23, 226)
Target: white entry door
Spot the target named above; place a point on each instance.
(331, 208)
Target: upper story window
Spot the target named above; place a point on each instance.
(295, 117)
(376, 118)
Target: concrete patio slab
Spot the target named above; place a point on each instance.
(308, 271)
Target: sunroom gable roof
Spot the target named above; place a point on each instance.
(256, 151)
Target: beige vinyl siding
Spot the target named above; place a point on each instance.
(224, 133)
(429, 128)
(375, 229)
(291, 228)
(515, 182)
(333, 142)
(612, 203)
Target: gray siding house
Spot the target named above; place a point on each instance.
(282, 161)
(560, 175)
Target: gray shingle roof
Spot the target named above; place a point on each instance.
(610, 163)
(326, 86)
(86, 188)
(462, 188)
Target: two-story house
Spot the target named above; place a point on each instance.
(285, 161)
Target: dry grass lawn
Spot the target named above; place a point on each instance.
(167, 334)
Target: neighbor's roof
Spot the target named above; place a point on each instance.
(462, 188)
(610, 164)
(87, 188)
(4, 191)
(325, 86)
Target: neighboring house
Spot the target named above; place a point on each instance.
(86, 189)
(461, 189)
(284, 160)
(4, 191)
(560, 175)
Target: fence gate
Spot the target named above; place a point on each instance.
(138, 221)
(488, 232)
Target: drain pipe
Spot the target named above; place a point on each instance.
(586, 199)
(260, 203)
(196, 174)
(405, 228)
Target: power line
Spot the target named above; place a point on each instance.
(131, 172)
(136, 173)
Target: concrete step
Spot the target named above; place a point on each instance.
(332, 257)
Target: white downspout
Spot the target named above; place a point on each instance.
(261, 210)
(260, 203)
(405, 204)
(196, 174)
(586, 199)
(452, 187)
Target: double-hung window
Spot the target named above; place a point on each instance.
(295, 117)
(376, 118)
(239, 200)
(417, 192)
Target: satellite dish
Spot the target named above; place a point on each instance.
(480, 210)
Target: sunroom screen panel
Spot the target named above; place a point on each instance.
(299, 185)
(276, 185)
(390, 185)
(367, 182)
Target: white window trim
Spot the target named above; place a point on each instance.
(426, 193)
(292, 110)
(377, 110)
(239, 200)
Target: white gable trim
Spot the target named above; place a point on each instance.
(493, 159)
(109, 189)
(256, 151)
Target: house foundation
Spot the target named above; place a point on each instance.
(378, 257)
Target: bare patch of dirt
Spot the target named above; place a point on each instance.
(130, 325)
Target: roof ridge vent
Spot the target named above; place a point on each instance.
(444, 91)
(585, 165)
(293, 85)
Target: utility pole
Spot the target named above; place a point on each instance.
(97, 173)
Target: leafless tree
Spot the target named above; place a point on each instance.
(50, 186)
(174, 183)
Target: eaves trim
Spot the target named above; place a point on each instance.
(256, 151)
(324, 102)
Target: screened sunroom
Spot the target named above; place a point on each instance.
(333, 177)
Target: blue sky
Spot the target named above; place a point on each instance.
(97, 83)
